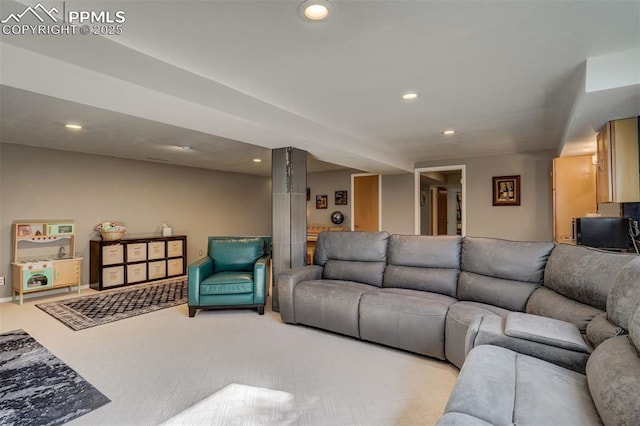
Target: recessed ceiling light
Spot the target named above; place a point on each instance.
(410, 96)
(73, 126)
(449, 132)
(186, 148)
(315, 10)
(257, 160)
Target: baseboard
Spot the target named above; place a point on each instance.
(51, 292)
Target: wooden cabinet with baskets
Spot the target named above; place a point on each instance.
(136, 260)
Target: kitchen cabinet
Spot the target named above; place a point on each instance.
(136, 260)
(574, 193)
(66, 272)
(618, 173)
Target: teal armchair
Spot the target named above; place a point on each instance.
(232, 275)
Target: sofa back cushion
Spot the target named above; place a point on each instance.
(500, 272)
(582, 273)
(548, 303)
(625, 294)
(352, 256)
(235, 253)
(361, 272)
(613, 375)
(426, 263)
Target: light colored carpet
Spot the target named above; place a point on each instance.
(238, 368)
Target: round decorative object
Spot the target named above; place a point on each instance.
(337, 217)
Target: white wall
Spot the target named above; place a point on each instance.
(38, 183)
(532, 220)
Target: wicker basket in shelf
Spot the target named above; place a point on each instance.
(111, 236)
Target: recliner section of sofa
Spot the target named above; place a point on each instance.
(421, 293)
(501, 386)
(428, 295)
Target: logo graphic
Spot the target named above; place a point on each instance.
(33, 11)
(70, 22)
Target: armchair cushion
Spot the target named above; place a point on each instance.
(235, 254)
(228, 282)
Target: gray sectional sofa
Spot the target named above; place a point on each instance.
(528, 310)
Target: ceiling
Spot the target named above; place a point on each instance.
(234, 79)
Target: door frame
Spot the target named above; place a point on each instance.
(379, 199)
(463, 184)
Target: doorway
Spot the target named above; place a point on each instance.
(366, 191)
(440, 200)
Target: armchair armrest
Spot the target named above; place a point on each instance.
(286, 283)
(551, 342)
(196, 272)
(260, 280)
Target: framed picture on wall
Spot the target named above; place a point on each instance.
(341, 198)
(321, 201)
(506, 190)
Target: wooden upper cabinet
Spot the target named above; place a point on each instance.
(618, 174)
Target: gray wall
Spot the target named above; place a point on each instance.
(327, 183)
(398, 194)
(532, 220)
(38, 183)
(397, 199)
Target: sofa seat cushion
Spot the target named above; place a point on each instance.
(548, 303)
(230, 282)
(554, 349)
(503, 387)
(459, 317)
(406, 319)
(329, 304)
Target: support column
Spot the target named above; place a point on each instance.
(289, 212)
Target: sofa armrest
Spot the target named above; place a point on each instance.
(544, 330)
(260, 280)
(472, 333)
(491, 331)
(286, 283)
(196, 272)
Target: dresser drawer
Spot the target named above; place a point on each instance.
(174, 267)
(136, 252)
(112, 254)
(156, 250)
(174, 248)
(113, 275)
(157, 269)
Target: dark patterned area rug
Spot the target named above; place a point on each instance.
(113, 305)
(37, 388)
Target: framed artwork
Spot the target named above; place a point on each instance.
(506, 190)
(321, 202)
(341, 198)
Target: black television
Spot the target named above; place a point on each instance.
(609, 233)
